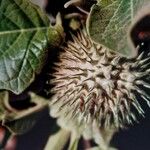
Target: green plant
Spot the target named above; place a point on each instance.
(98, 74)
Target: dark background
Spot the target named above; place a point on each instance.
(136, 137)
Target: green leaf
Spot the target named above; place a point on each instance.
(19, 122)
(58, 140)
(25, 33)
(109, 23)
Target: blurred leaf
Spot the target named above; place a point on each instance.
(25, 33)
(58, 140)
(19, 122)
(109, 23)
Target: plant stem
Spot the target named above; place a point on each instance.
(73, 142)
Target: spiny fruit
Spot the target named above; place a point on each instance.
(94, 84)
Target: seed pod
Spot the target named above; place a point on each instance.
(94, 84)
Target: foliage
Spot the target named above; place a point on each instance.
(27, 37)
(109, 23)
(25, 33)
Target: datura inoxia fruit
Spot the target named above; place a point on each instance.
(93, 84)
